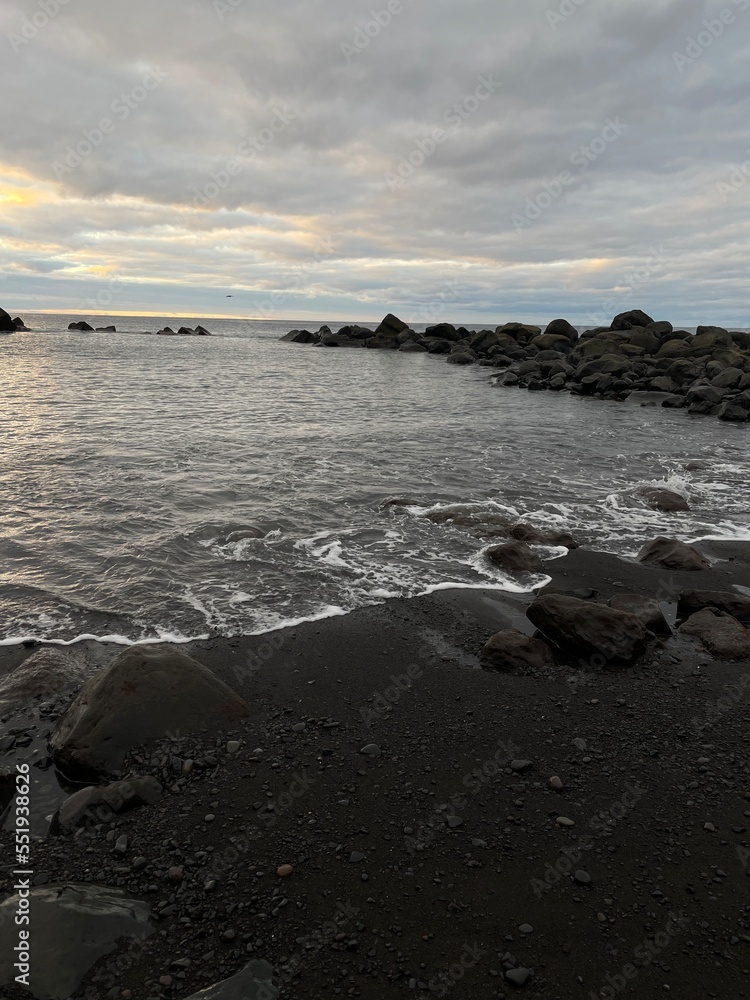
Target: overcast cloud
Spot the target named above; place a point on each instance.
(489, 159)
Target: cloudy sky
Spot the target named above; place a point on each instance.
(465, 159)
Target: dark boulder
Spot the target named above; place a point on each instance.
(512, 650)
(82, 326)
(167, 331)
(668, 501)
(630, 319)
(99, 804)
(588, 629)
(72, 927)
(412, 347)
(44, 674)
(444, 331)
(437, 345)
(736, 410)
(731, 603)
(515, 557)
(461, 358)
(522, 333)
(6, 323)
(301, 337)
(722, 635)
(19, 325)
(144, 694)
(106, 329)
(391, 326)
(254, 982)
(672, 554)
(356, 332)
(646, 339)
(647, 612)
(729, 378)
(562, 328)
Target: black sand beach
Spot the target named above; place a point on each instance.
(437, 864)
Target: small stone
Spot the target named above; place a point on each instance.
(355, 857)
(582, 877)
(526, 929)
(555, 783)
(454, 821)
(519, 977)
(233, 746)
(579, 744)
(564, 821)
(176, 874)
(521, 765)
(210, 817)
(284, 871)
(166, 980)
(139, 862)
(300, 727)
(122, 844)
(229, 934)
(710, 827)
(601, 918)
(371, 750)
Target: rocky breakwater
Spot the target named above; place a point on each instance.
(8, 325)
(636, 358)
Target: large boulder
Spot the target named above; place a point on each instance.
(659, 498)
(511, 650)
(461, 358)
(562, 328)
(6, 323)
(727, 601)
(647, 612)
(588, 629)
(673, 554)
(301, 337)
(44, 674)
(542, 536)
(82, 326)
(146, 693)
(443, 331)
(722, 635)
(630, 319)
(736, 410)
(515, 557)
(254, 982)
(98, 804)
(391, 326)
(72, 927)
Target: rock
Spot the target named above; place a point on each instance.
(627, 320)
(19, 325)
(411, 347)
(233, 747)
(511, 649)
(461, 358)
(391, 326)
(709, 339)
(444, 331)
(371, 750)
(166, 332)
(284, 871)
(97, 804)
(564, 821)
(72, 927)
(673, 554)
(562, 328)
(144, 694)
(722, 635)
(301, 337)
(589, 629)
(737, 605)
(106, 329)
(582, 877)
(519, 977)
(555, 783)
(735, 410)
(254, 982)
(6, 323)
(728, 379)
(82, 326)
(522, 333)
(658, 498)
(45, 674)
(647, 612)
(515, 557)
(541, 536)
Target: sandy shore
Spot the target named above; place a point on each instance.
(438, 864)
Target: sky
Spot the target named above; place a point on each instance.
(462, 160)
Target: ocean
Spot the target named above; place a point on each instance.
(136, 469)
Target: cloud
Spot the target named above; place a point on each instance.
(191, 146)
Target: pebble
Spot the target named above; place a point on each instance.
(139, 862)
(210, 817)
(122, 844)
(176, 874)
(454, 821)
(371, 750)
(710, 827)
(555, 783)
(582, 877)
(521, 765)
(300, 727)
(284, 871)
(526, 929)
(579, 743)
(356, 856)
(564, 821)
(519, 977)
(233, 746)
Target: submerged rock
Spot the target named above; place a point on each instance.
(143, 695)
(673, 554)
(666, 500)
(72, 926)
(722, 635)
(515, 557)
(511, 649)
(542, 536)
(44, 674)
(82, 326)
(97, 804)
(589, 629)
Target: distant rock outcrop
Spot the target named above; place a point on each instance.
(81, 325)
(6, 323)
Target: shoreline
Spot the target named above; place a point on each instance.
(447, 838)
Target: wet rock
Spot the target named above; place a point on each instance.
(73, 925)
(44, 674)
(144, 694)
(562, 328)
(254, 982)
(646, 611)
(97, 804)
(515, 557)
(301, 337)
(662, 499)
(673, 554)
(511, 650)
(735, 410)
(461, 358)
(722, 635)
(81, 325)
(518, 977)
(6, 323)
(589, 629)
(541, 536)
(735, 604)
